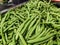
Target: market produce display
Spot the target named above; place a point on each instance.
(35, 23)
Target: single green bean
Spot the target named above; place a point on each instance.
(37, 29)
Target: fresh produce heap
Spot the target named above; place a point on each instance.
(35, 23)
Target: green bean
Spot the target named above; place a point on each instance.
(32, 23)
(37, 29)
(20, 14)
(10, 35)
(40, 39)
(22, 39)
(9, 26)
(42, 33)
(37, 22)
(21, 26)
(55, 14)
(18, 17)
(47, 31)
(6, 37)
(11, 21)
(3, 39)
(12, 28)
(42, 42)
(11, 43)
(56, 26)
(41, 29)
(8, 15)
(21, 42)
(50, 42)
(32, 29)
(47, 17)
(2, 29)
(58, 41)
(29, 44)
(37, 32)
(4, 24)
(3, 19)
(27, 24)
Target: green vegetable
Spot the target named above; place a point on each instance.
(37, 22)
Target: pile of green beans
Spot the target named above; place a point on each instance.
(35, 23)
